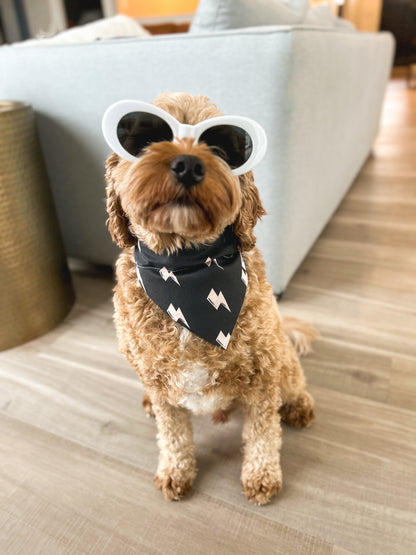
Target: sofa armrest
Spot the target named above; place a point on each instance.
(334, 95)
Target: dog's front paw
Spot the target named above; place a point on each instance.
(298, 413)
(174, 483)
(260, 487)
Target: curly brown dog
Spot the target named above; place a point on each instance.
(181, 372)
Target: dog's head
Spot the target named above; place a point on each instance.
(179, 193)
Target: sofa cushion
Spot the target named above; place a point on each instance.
(322, 16)
(215, 15)
(118, 26)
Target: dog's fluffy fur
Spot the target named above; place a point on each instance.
(260, 370)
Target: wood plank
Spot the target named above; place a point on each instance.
(61, 498)
(399, 257)
(402, 390)
(364, 444)
(360, 340)
(382, 188)
(358, 278)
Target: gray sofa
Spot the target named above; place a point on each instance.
(317, 92)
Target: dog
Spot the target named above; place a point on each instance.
(158, 207)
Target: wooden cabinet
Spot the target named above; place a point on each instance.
(399, 17)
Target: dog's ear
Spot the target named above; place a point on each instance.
(251, 210)
(118, 223)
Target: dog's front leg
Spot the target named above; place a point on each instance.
(261, 475)
(177, 467)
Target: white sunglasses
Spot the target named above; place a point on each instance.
(130, 126)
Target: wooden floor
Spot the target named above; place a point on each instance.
(78, 454)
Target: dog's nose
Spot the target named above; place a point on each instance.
(188, 170)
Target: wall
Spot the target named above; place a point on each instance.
(365, 14)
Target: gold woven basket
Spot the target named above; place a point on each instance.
(35, 284)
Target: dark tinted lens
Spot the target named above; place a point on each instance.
(230, 142)
(137, 130)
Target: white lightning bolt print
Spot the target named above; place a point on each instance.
(139, 277)
(166, 274)
(217, 300)
(209, 261)
(244, 276)
(176, 314)
(223, 340)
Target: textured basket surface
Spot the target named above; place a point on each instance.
(35, 286)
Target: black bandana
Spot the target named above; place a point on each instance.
(201, 288)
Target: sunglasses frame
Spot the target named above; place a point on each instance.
(116, 111)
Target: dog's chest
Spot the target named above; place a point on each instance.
(193, 384)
